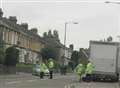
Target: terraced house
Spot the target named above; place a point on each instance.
(27, 41)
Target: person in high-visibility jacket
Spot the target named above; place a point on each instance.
(51, 67)
(89, 71)
(43, 67)
(79, 70)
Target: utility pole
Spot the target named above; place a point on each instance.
(65, 53)
(65, 34)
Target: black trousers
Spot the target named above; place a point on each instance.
(51, 74)
(64, 70)
(89, 77)
(61, 70)
(41, 75)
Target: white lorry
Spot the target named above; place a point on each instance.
(106, 59)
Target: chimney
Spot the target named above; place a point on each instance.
(34, 30)
(13, 19)
(71, 46)
(24, 25)
(1, 13)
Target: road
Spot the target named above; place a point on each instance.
(95, 85)
(29, 81)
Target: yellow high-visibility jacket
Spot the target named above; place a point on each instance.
(43, 67)
(89, 69)
(51, 64)
(79, 69)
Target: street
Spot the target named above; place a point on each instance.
(28, 81)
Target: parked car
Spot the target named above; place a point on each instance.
(36, 71)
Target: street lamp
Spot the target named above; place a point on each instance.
(117, 36)
(64, 56)
(112, 2)
(65, 34)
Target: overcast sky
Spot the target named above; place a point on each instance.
(97, 20)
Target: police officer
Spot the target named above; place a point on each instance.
(79, 71)
(42, 69)
(89, 71)
(51, 66)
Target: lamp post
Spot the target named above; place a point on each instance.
(64, 62)
(112, 2)
(117, 36)
(66, 23)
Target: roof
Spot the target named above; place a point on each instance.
(18, 28)
(102, 42)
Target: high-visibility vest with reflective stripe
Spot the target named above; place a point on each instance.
(42, 67)
(79, 69)
(51, 64)
(89, 69)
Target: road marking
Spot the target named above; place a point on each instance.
(59, 77)
(31, 80)
(13, 82)
(66, 86)
(69, 86)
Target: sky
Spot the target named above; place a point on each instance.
(96, 19)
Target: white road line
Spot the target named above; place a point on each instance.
(59, 77)
(31, 80)
(69, 86)
(13, 82)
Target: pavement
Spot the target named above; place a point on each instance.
(22, 80)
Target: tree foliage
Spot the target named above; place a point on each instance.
(83, 55)
(11, 57)
(45, 34)
(49, 33)
(75, 58)
(55, 34)
(49, 52)
(2, 53)
(71, 46)
(109, 39)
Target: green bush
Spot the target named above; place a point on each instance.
(2, 52)
(1, 56)
(11, 56)
(22, 65)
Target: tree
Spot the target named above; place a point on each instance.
(11, 57)
(75, 58)
(2, 53)
(44, 34)
(55, 34)
(71, 46)
(50, 33)
(83, 55)
(109, 39)
(49, 52)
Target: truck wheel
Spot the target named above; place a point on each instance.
(117, 79)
